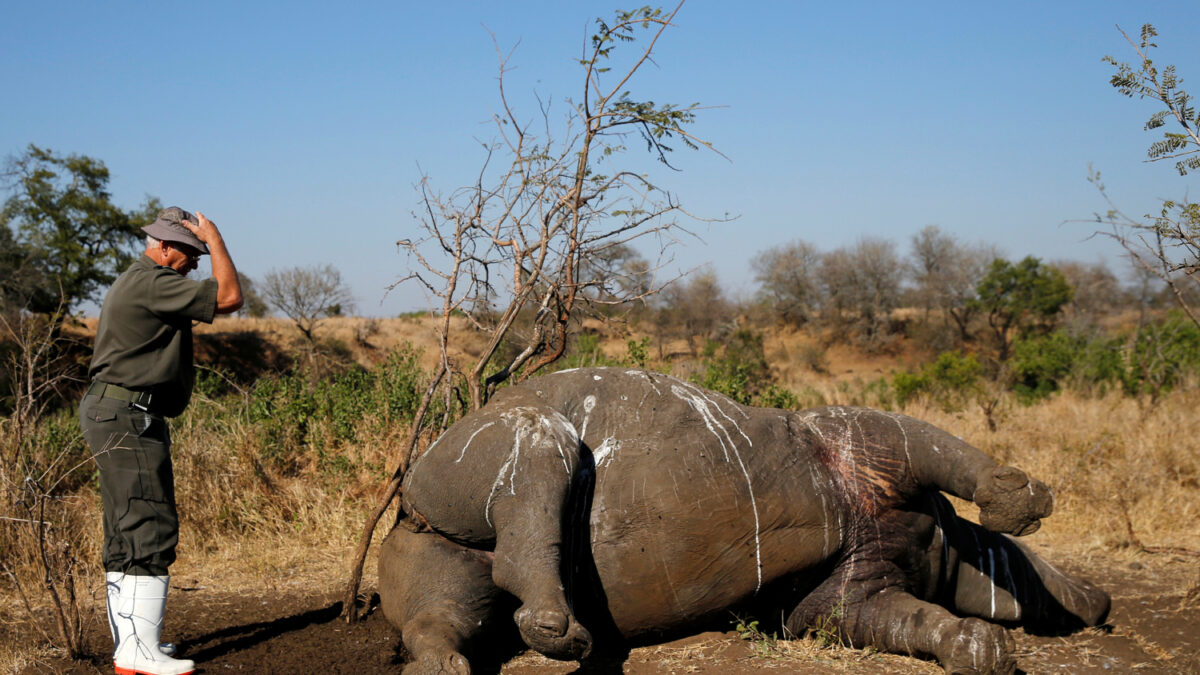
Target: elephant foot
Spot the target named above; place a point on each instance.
(447, 663)
(976, 647)
(553, 633)
(1011, 502)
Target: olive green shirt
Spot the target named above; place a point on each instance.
(144, 340)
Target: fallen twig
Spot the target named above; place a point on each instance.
(1133, 538)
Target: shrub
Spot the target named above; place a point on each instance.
(638, 352)
(951, 380)
(739, 370)
(1162, 356)
(1045, 364)
(294, 411)
(775, 396)
(586, 354)
(44, 534)
(1040, 365)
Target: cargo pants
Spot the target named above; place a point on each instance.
(137, 485)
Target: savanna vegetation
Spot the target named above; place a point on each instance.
(1084, 373)
(284, 451)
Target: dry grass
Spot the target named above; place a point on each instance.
(1104, 457)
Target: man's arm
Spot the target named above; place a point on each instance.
(229, 290)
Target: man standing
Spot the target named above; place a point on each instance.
(142, 373)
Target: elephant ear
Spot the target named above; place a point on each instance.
(1011, 502)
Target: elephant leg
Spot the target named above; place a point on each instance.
(886, 459)
(439, 594)
(893, 620)
(527, 508)
(1000, 579)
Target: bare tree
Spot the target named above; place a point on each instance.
(35, 365)
(306, 295)
(618, 272)
(513, 252)
(862, 286)
(524, 239)
(694, 310)
(254, 306)
(1098, 293)
(789, 280)
(945, 273)
(45, 537)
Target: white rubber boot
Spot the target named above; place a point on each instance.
(138, 617)
(112, 583)
(112, 590)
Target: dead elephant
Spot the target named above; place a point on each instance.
(615, 505)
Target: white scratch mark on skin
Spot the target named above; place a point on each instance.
(842, 442)
(566, 426)
(468, 443)
(992, 576)
(899, 420)
(520, 417)
(1010, 585)
(979, 548)
(667, 574)
(589, 404)
(606, 452)
(824, 525)
(563, 455)
(642, 374)
(704, 393)
(937, 518)
(510, 464)
(701, 404)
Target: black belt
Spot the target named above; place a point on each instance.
(137, 399)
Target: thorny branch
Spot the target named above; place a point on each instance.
(517, 254)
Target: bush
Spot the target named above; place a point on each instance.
(775, 396)
(1046, 364)
(638, 352)
(294, 411)
(739, 370)
(1042, 364)
(586, 354)
(951, 380)
(44, 534)
(1162, 356)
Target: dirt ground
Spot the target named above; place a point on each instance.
(1154, 628)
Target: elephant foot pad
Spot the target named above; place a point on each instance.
(553, 633)
(978, 647)
(1011, 502)
(446, 664)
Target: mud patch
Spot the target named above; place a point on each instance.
(1154, 627)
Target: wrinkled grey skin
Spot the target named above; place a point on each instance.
(609, 505)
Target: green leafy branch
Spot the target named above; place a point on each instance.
(1146, 81)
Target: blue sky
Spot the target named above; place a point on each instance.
(302, 129)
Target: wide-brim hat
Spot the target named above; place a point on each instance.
(169, 227)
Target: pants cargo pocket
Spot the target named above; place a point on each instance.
(153, 455)
(132, 449)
